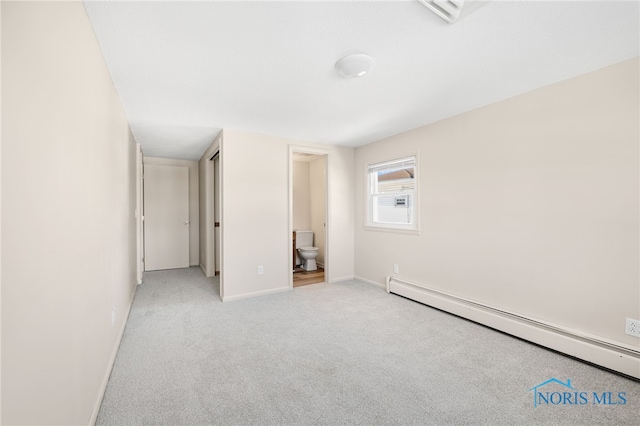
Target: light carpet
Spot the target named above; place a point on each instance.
(342, 354)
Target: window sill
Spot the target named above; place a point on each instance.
(392, 230)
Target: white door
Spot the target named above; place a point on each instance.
(166, 217)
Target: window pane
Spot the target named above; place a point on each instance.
(392, 192)
(395, 180)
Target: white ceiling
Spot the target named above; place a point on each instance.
(184, 70)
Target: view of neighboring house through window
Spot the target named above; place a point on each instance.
(392, 194)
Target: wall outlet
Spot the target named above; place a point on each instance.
(396, 269)
(260, 270)
(113, 316)
(633, 327)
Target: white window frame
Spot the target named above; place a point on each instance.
(371, 191)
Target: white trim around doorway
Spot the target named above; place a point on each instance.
(315, 151)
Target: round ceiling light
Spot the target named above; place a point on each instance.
(352, 66)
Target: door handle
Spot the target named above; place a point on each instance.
(186, 222)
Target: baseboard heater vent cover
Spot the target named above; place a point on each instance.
(623, 359)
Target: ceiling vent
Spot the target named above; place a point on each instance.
(452, 10)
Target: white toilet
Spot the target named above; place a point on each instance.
(306, 251)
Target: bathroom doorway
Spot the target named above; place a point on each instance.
(308, 218)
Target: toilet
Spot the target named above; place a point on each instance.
(306, 251)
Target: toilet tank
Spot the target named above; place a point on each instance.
(304, 239)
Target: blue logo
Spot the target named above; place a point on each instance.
(562, 393)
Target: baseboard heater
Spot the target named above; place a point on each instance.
(592, 349)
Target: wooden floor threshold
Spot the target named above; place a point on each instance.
(302, 277)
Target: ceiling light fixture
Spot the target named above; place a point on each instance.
(353, 66)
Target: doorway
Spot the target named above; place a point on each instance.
(139, 214)
(308, 216)
(211, 216)
(216, 215)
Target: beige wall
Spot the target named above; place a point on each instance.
(68, 204)
(301, 196)
(255, 213)
(529, 205)
(318, 202)
(194, 204)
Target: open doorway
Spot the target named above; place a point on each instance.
(216, 215)
(139, 214)
(211, 215)
(211, 248)
(308, 223)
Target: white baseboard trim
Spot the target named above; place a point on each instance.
(589, 348)
(379, 285)
(340, 279)
(112, 360)
(255, 294)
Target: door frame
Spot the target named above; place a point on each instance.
(328, 220)
(211, 199)
(210, 203)
(139, 214)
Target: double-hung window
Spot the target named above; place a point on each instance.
(392, 195)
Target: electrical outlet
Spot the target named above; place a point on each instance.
(260, 270)
(633, 327)
(396, 269)
(113, 316)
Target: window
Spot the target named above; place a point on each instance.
(392, 202)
